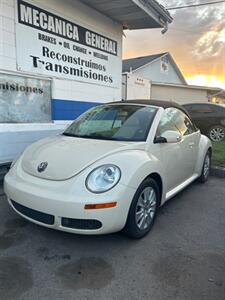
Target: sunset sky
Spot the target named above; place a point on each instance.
(196, 40)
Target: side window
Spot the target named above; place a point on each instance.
(201, 108)
(189, 107)
(166, 122)
(220, 110)
(183, 123)
(209, 109)
(175, 119)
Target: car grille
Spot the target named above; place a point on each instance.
(81, 224)
(34, 214)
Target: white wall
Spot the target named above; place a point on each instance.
(135, 87)
(153, 72)
(15, 137)
(180, 95)
(7, 35)
(18, 136)
(71, 90)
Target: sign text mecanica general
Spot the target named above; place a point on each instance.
(52, 45)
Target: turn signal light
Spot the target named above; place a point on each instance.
(100, 206)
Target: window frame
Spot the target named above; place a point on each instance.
(14, 79)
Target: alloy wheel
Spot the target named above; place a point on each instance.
(146, 208)
(217, 134)
(206, 167)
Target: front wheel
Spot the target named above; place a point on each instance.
(143, 209)
(206, 168)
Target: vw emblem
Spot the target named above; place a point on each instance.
(42, 166)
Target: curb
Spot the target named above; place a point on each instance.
(217, 172)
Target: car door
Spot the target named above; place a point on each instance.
(179, 158)
(169, 153)
(189, 143)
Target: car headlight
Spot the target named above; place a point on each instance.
(103, 178)
(15, 160)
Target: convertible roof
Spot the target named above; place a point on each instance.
(164, 104)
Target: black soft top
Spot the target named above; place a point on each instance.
(159, 103)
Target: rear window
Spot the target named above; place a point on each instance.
(202, 108)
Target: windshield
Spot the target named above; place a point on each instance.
(114, 122)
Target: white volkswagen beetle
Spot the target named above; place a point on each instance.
(110, 170)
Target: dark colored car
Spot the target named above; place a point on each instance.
(209, 118)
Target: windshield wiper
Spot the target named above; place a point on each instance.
(97, 136)
(90, 136)
(70, 134)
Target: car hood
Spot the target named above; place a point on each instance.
(68, 156)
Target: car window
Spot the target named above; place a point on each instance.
(188, 107)
(220, 110)
(166, 122)
(202, 108)
(183, 123)
(174, 119)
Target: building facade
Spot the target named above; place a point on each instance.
(60, 58)
(158, 77)
(156, 68)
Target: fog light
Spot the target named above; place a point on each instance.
(100, 206)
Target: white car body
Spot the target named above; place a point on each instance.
(61, 190)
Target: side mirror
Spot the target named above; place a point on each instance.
(169, 136)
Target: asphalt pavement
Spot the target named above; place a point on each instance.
(182, 258)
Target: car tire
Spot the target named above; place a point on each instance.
(206, 168)
(216, 133)
(143, 209)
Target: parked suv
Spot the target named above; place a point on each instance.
(209, 118)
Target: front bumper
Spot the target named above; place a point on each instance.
(63, 203)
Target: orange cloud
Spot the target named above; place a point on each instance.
(195, 39)
(205, 80)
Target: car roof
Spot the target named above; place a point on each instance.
(159, 103)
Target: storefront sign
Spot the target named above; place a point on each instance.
(24, 100)
(55, 46)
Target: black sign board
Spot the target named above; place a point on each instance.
(41, 19)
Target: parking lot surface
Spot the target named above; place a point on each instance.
(182, 258)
